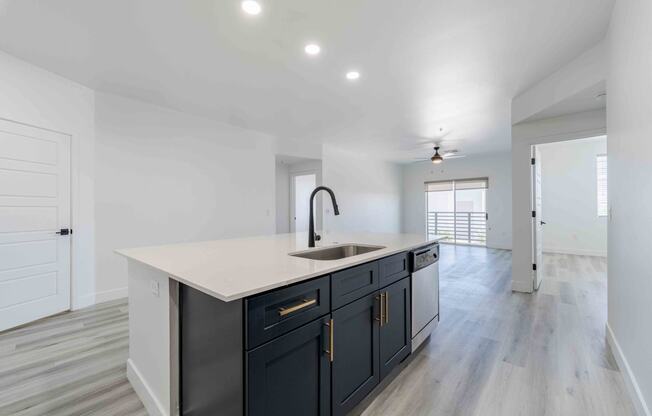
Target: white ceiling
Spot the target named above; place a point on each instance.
(425, 64)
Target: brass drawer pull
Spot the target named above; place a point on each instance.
(304, 304)
(386, 307)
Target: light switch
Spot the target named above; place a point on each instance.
(153, 284)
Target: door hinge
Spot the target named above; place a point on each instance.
(534, 267)
(534, 214)
(64, 231)
(533, 161)
(486, 216)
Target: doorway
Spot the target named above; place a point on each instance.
(296, 178)
(301, 186)
(569, 204)
(457, 209)
(34, 223)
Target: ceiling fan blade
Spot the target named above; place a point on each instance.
(454, 156)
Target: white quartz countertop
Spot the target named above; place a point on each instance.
(236, 268)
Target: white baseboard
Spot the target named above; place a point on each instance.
(521, 286)
(112, 294)
(99, 297)
(144, 392)
(630, 381)
(575, 251)
(83, 301)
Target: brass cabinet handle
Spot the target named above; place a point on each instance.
(304, 304)
(381, 319)
(331, 344)
(386, 307)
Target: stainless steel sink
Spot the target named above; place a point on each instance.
(336, 252)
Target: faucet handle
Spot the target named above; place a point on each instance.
(317, 237)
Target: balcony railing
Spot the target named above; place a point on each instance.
(459, 227)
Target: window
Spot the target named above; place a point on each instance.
(601, 168)
(457, 209)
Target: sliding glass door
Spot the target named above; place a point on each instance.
(457, 209)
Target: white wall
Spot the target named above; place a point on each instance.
(164, 177)
(569, 197)
(282, 198)
(39, 98)
(629, 104)
(497, 167)
(524, 135)
(368, 192)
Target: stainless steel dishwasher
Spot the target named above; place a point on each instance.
(424, 265)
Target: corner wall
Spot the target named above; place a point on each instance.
(629, 121)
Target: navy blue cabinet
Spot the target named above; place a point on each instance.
(317, 348)
(291, 375)
(356, 353)
(395, 335)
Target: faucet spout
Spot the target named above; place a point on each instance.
(311, 220)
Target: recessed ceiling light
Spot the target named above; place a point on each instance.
(251, 7)
(352, 75)
(312, 49)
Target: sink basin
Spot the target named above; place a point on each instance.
(336, 252)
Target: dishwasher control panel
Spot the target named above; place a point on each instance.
(424, 257)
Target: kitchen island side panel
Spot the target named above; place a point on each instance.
(211, 353)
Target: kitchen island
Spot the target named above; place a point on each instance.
(238, 326)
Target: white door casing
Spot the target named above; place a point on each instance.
(537, 220)
(301, 186)
(34, 205)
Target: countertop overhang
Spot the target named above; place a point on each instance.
(236, 268)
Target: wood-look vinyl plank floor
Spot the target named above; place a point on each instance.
(69, 364)
(495, 352)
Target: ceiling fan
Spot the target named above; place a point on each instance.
(444, 155)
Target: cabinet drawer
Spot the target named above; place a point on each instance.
(275, 313)
(392, 269)
(351, 284)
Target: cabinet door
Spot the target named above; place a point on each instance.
(291, 375)
(395, 332)
(355, 353)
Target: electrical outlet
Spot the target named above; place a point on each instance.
(154, 286)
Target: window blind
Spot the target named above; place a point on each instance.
(478, 183)
(460, 184)
(439, 186)
(601, 170)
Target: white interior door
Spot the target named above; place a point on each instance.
(302, 186)
(34, 205)
(537, 220)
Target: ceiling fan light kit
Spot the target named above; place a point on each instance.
(436, 158)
